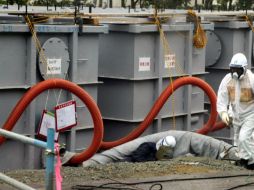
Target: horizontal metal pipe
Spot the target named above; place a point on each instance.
(14, 183)
(23, 138)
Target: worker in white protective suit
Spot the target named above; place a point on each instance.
(235, 105)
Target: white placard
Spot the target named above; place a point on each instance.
(170, 61)
(66, 115)
(54, 66)
(144, 64)
(47, 121)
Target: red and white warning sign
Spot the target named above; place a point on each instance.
(47, 121)
(65, 114)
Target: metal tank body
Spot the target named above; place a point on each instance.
(130, 89)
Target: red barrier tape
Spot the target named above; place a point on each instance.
(79, 92)
(161, 101)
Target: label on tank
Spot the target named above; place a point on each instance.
(54, 66)
(170, 61)
(144, 64)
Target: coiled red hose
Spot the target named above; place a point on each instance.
(161, 101)
(96, 116)
(79, 92)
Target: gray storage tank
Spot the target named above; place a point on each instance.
(134, 73)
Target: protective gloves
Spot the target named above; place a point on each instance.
(225, 117)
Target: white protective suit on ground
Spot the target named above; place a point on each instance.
(236, 97)
(186, 143)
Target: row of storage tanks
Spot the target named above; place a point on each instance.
(122, 67)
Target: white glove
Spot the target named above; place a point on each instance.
(225, 117)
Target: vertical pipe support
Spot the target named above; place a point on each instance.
(50, 158)
(31, 109)
(188, 69)
(159, 71)
(73, 77)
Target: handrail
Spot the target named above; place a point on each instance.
(49, 146)
(14, 182)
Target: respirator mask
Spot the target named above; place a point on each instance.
(237, 72)
(238, 66)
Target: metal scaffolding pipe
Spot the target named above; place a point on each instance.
(49, 146)
(14, 182)
(50, 156)
(23, 138)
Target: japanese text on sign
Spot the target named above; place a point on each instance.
(66, 115)
(47, 121)
(53, 66)
(170, 61)
(144, 64)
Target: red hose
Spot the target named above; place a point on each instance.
(218, 126)
(79, 92)
(161, 101)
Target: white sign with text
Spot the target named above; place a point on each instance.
(66, 115)
(47, 121)
(170, 61)
(54, 66)
(144, 64)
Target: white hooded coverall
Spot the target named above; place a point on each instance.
(238, 95)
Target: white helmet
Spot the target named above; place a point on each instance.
(168, 141)
(238, 66)
(238, 60)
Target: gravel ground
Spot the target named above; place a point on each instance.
(123, 170)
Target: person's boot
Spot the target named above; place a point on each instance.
(242, 163)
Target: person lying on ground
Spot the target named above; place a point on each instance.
(152, 148)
